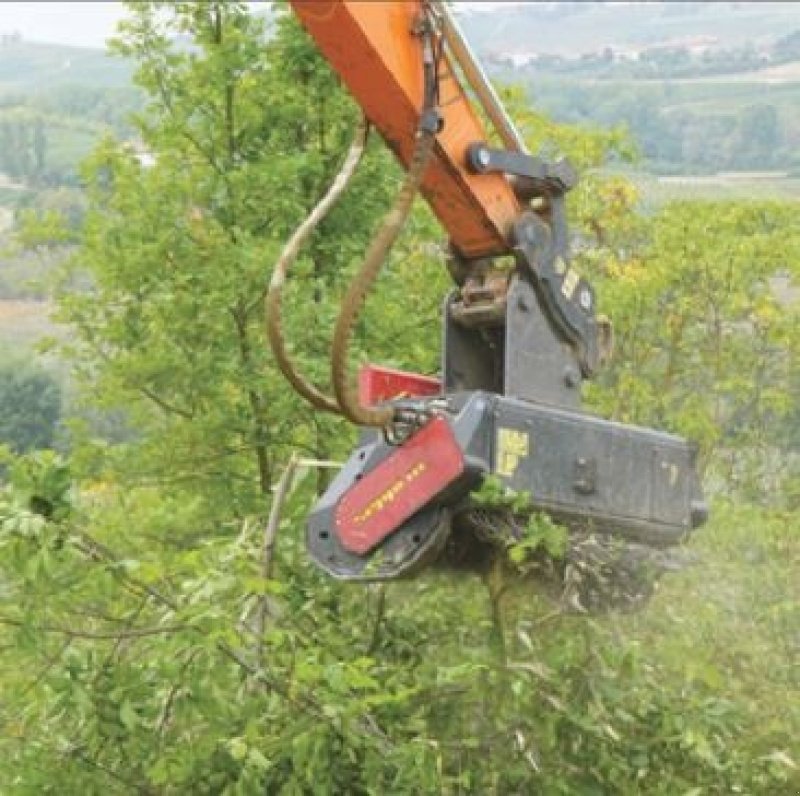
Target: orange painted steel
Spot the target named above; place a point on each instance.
(373, 49)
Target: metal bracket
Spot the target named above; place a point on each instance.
(521, 358)
(566, 297)
(541, 246)
(546, 178)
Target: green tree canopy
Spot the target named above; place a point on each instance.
(30, 405)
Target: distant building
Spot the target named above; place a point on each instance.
(695, 45)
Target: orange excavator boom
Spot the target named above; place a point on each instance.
(371, 47)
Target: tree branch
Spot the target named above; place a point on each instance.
(270, 533)
(99, 552)
(376, 625)
(137, 632)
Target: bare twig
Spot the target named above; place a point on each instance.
(323, 464)
(166, 711)
(496, 587)
(270, 533)
(379, 614)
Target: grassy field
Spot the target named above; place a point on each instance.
(23, 323)
(704, 96)
(698, 95)
(656, 190)
(770, 76)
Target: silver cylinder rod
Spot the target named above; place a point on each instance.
(478, 81)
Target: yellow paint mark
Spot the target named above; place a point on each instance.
(512, 445)
(390, 493)
(570, 283)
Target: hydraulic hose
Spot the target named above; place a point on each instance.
(345, 400)
(379, 248)
(429, 124)
(273, 303)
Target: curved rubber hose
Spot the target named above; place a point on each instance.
(273, 302)
(343, 386)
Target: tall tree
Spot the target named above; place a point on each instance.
(707, 343)
(243, 131)
(30, 406)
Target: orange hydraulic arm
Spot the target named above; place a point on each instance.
(372, 47)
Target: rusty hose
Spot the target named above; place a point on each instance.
(273, 302)
(379, 248)
(345, 400)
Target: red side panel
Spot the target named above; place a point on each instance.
(377, 384)
(398, 487)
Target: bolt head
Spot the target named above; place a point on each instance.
(484, 157)
(572, 378)
(585, 299)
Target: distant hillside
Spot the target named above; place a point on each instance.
(31, 67)
(702, 87)
(55, 101)
(570, 29)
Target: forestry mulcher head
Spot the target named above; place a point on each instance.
(516, 346)
(396, 506)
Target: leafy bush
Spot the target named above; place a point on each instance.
(30, 406)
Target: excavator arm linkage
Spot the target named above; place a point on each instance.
(516, 345)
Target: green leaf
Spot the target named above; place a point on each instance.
(128, 716)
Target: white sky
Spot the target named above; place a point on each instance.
(84, 24)
(81, 24)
